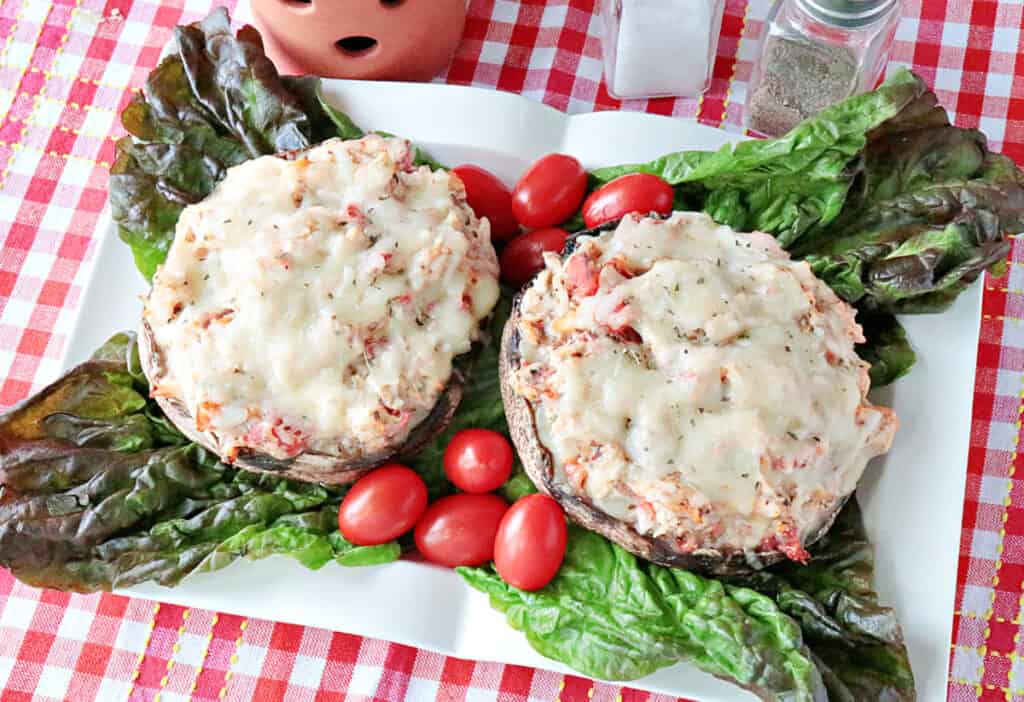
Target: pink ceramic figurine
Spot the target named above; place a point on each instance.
(375, 39)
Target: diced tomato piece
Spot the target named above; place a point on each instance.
(583, 276)
(786, 541)
(394, 412)
(288, 437)
(355, 213)
(276, 432)
(404, 416)
(620, 328)
(222, 317)
(576, 473)
(789, 544)
(687, 544)
(254, 434)
(629, 335)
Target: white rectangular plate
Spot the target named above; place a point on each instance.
(912, 499)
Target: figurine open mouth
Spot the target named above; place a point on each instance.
(369, 39)
(356, 45)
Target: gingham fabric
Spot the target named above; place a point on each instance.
(67, 67)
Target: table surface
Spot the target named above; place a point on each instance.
(66, 69)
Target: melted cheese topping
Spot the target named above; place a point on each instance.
(697, 384)
(318, 303)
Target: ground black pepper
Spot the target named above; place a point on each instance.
(799, 79)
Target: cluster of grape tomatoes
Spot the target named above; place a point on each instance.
(548, 194)
(526, 540)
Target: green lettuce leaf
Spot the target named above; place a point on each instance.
(100, 491)
(886, 348)
(611, 616)
(518, 485)
(343, 124)
(322, 123)
(857, 643)
(787, 633)
(925, 234)
(894, 207)
(311, 537)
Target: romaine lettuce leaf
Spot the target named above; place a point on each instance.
(612, 616)
(791, 632)
(886, 348)
(343, 124)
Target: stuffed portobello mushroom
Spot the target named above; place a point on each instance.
(690, 392)
(310, 315)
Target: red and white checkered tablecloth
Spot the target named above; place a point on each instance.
(68, 66)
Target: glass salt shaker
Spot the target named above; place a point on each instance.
(815, 53)
(659, 48)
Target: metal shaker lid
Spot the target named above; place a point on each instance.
(847, 13)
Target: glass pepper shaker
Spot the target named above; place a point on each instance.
(815, 53)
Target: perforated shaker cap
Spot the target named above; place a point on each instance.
(847, 13)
